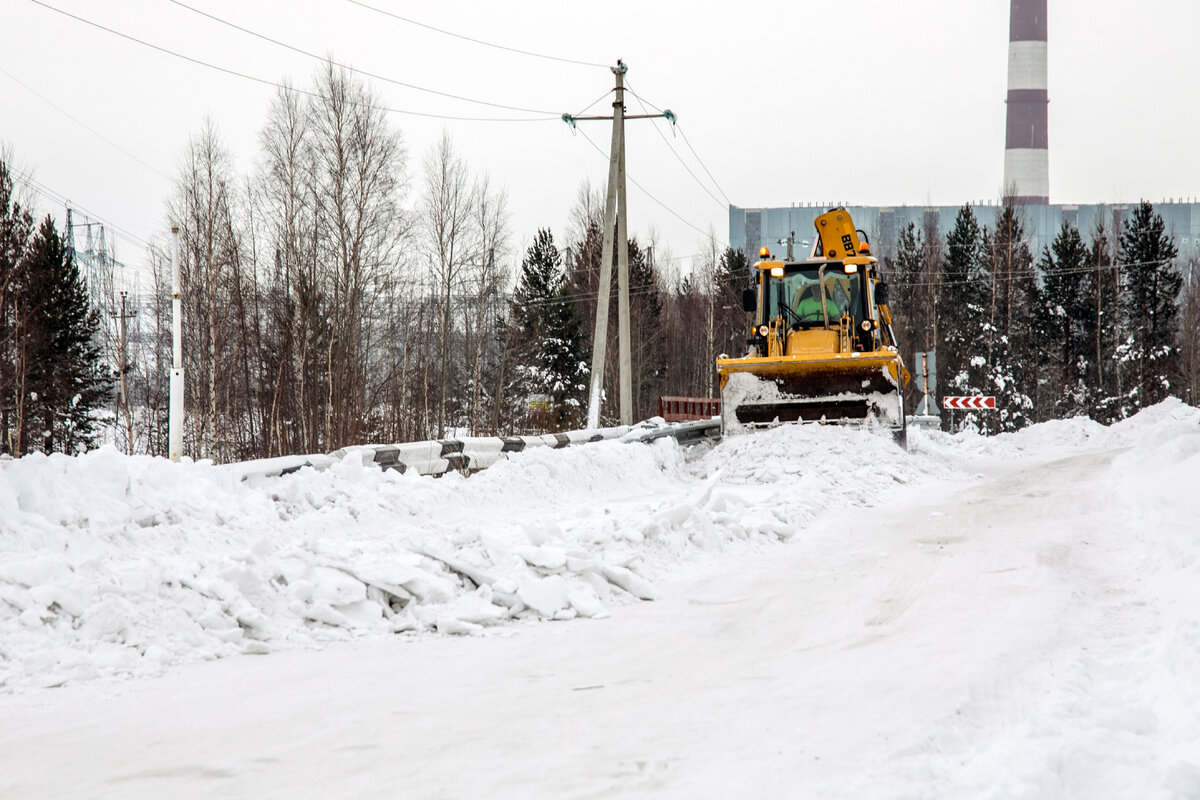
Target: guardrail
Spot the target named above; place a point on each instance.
(475, 453)
(471, 454)
(686, 409)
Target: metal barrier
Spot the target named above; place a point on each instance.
(684, 409)
(472, 454)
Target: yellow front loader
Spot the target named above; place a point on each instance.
(821, 346)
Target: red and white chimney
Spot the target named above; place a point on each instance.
(1026, 157)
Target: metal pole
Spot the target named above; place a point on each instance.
(124, 386)
(925, 402)
(623, 266)
(175, 409)
(606, 256)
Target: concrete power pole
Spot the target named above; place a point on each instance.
(123, 344)
(614, 216)
(175, 405)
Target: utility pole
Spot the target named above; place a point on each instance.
(175, 406)
(789, 240)
(123, 335)
(614, 207)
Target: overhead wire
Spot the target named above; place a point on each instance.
(81, 124)
(59, 197)
(699, 160)
(377, 76)
(1015, 274)
(586, 297)
(664, 206)
(474, 40)
(143, 269)
(674, 152)
(688, 142)
(590, 105)
(277, 85)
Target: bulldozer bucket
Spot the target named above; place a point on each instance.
(836, 388)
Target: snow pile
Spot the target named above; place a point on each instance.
(1149, 427)
(121, 565)
(114, 564)
(1113, 712)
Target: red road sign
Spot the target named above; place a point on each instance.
(968, 402)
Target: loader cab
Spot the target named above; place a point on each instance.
(814, 295)
(817, 303)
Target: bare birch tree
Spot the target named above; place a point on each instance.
(359, 163)
(450, 242)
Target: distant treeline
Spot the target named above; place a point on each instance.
(332, 298)
(1099, 327)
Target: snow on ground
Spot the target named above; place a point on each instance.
(1015, 616)
(111, 564)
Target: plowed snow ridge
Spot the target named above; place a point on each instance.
(1006, 616)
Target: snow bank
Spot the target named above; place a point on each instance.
(1113, 714)
(115, 564)
(120, 565)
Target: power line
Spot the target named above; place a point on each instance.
(675, 153)
(57, 197)
(81, 124)
(699, 160)
(1015, 274)
(644, 290)
(473, 40)
(702, 165)
(588, 107)
(385, 78)
(266, 82)
(667, 208)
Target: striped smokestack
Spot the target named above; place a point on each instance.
(1026, 158)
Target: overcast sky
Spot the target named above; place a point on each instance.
(875, 102)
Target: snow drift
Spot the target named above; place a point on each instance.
(121, 565)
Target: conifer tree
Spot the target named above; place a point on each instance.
(1012, 299)
(16, 226)
(733, 271)
(963, 292)
(66, 379)
(647, 344)
(1189, 350)
(1062, 325)
(906, 283)
(1102, 327)
(547, 337)
(1151, 287)
(908, 291)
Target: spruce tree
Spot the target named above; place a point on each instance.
(1011, 291)
(1102, 328)
(733, 272)
(906, 283)
(67, 381)
(1150, 288)
(547, 337)
(908, 291)
(1063, 328)
(647, 344)
(16, 226)
(963, 293)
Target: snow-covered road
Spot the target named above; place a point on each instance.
(1015, 617)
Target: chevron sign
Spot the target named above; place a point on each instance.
(968, 402)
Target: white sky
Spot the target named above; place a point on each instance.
(877, 102)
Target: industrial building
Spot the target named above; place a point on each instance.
(1026, 174)
(752, 228)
